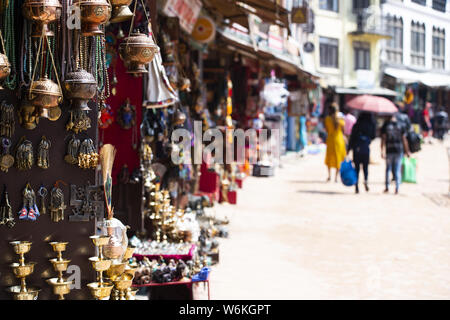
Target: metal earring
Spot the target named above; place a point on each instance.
(6, 160)
(57, 205)
(24, 155)
(7, 122)
(6, 214)
(72, 151)
(43, 158)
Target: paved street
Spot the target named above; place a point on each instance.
(294, 236)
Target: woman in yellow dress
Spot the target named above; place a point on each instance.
(336, 152)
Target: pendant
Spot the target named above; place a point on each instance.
(29, 209)
(79, 121)
(72, 151)
(88, 158)
(7, 122)
(24, 156)
(43, 158)
(42, 192)
(126, 116)
(6, 160)
(6, 216)
(57, 205)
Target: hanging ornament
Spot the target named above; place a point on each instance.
(9, 45)
(94, 13)
(24, 155)
(106, 117)
(28, 116)
(126, 116)
(43, 158)
(78, 121)
(29, 210)
(80, 87)
(42, 192)
(88, 158)
(6, 160)
(121, 12)
(57, 205)
(5, 66)
(6, 215)
(72, 151)
(41, 13)
(7, 122)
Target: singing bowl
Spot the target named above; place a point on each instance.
(100, 241)
(59, 246)
(137, 51)
(80, 86)
(100, 265)
(22, 271)
(60, 287)
(21, 247)
(120, 11)
(5, 69)
(41, 13)
(60, 265)
(100, 290)
(94, 13)
(29, 294)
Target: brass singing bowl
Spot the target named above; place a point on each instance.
(29, 294)
(94, 13)
(59, 287)
(80, 86)
(59, 246)
(100, 290)
(137, 51)
(41, 13)
(100, 265)
(123, 282)
(115, 270)
(44, 93)
(100, 241)
(21, 247)
(22, 271)
(60, 265)
(121, 12)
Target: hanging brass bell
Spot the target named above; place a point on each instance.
(137, 50)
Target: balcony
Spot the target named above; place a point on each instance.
(370, 24)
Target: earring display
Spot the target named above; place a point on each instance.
(24, 155)
(88, 157)
(7, 123)
(57, 205)
(6, 160)
(43, 158)
(6, 215)
(73, 148)
(29, 210)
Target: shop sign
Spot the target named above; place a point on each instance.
(299, 15)
(204, 30)
(186, 10)
(308, 47)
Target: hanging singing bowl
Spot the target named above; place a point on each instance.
(41, 13)
(5, 69)
(137, 50)
(44, 93)
(80, 86)
(121, 12)
(94, 13)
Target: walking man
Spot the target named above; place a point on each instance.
(393, 146)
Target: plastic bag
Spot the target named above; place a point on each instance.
(348, 173)
(409, 170)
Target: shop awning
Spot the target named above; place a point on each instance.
(430, 79)
(373, 92)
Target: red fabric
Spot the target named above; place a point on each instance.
(232, 197)
(127, 87)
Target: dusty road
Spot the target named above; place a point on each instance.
(294, 236)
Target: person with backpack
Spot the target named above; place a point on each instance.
(393, 146)
(363, 132)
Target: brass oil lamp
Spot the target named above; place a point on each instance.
(136, 51)
(42, 12)
(121, 12)
(44, 93)
(80, 87)
(94, 13)
(5, 69)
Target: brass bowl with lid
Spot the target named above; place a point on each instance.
(136, 51)
(41, 13)
(80, 86)
(44, 93)
(94, 13)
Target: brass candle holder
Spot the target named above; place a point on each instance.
(60, 285)
(130, 269)
(21, 271)
(100, 289)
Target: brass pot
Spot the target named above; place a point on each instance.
(120, 11)
(80, 87)
(94, 13)
(5, 69)
(45, 93)
(41, 13)
(136, 51)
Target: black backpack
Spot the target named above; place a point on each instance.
(414, 141)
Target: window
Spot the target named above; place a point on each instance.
(394, 46)
(362, 55)
(418, 44)
(330, 5)
(439, 5)
(329, 52)
(360, 4)
(438, 48)
(421, 2)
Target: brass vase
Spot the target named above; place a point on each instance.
(136, 51)
(94, 13)
(120, 11)
(44, 93)
(41, 13)
(5, 69)
(80, 87)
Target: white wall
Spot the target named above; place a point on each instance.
(411, 11)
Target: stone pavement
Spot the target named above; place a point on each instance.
(294, 236)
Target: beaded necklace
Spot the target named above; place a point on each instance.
(10, 42)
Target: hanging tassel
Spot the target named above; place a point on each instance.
(43, 160)
(24, 155)
(73, 149)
